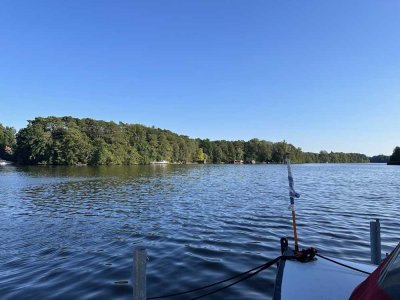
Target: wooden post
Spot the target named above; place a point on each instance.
(139, 273)
(375, 237)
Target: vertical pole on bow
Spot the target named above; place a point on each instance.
(296, 241)
(292, 195)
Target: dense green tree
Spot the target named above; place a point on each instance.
(133, 157)
(264, 153)
(323, 156)
(164, 147)
(34, 144)
(217, 155)
(395, 157)
(200, 156)
(239, 150)
(208, 148)
(7, 142)
(76, 147)
(101, 153)
(279, 151)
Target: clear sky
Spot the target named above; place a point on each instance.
(320, 74)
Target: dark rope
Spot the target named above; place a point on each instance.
(267, 265)
(343, 265)
(260, 267)
(248, 274)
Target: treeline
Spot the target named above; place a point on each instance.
(395, 157)
(72, 141)
(379, 158)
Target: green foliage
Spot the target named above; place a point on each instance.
(7, 142)
(34, 145)
(199, 156)
(72, 141)
(279, 150)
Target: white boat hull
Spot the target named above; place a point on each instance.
(318, 279)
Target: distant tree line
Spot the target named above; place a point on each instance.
(379, 158)
(395, 157)
(72, 141)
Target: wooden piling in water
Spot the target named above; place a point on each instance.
(375, 237)
(139, 273)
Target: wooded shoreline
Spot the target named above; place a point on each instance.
(73, 141)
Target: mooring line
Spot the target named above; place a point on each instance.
(258, 268)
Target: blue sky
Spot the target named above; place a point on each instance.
(320, 74)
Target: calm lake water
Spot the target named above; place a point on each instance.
(69, 232)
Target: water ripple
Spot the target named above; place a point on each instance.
(69, 232)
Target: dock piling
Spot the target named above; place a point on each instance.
(139, 273)
(375, 237)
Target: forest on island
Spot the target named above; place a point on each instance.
(395, 157)
(73, 141)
